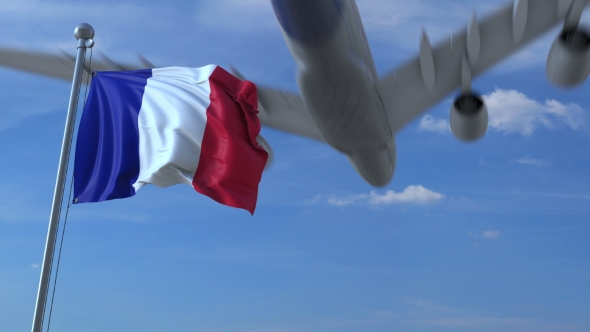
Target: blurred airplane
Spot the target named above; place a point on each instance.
(342, 100)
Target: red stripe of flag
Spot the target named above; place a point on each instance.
(231, 161)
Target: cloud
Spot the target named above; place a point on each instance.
(511, 111)
(401, 23)
(430, 123)
(35, 266)
(237, 15)
(348, 200)
(28, 13)
(531, 161)
(414, 194)
(340, 201)
(427, 305)
(315, 199)
(426, 314)
(490, 234)
(118, 31)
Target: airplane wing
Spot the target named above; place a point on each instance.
(285, 111)
(57, 65)
(280, 109)
(407, 91)
(413, 88)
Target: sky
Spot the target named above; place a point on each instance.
(488, 236)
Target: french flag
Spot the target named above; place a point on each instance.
(167, 126)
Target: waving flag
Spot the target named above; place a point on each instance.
(168, 126)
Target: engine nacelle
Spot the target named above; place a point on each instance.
(469, 117)
(568, 63)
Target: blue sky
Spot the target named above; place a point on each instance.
(490, 236)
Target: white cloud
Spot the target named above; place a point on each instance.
(237, 15)
(340, 201)
(490, 234)
(313, 200)
(414, 194)
(512, 111)
(423, 313)
(35, 10)
(531, 161)
(30, 11)
(118, 31)
(430, 123)
(401, 22)
(35, 266)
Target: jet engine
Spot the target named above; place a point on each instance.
(568, 63)
(469, 117)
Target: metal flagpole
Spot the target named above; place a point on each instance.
(84, 34)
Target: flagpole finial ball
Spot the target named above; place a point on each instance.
(84, 31)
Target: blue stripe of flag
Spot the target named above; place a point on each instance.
(107, 148)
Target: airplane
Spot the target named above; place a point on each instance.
(343, 101)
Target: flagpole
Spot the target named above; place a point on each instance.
(84, 34)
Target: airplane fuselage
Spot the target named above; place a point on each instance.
(338, 82)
